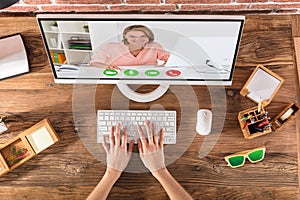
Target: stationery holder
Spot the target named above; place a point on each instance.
(254, 123)
(26, 145)
(261, 87)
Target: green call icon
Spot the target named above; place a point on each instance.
(110, 72)
(152, 72)
(131, 72)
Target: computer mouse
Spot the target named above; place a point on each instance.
(204, 121)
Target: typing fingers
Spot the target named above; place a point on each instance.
(117, 134)
(111, 136)
(124, 138)
(149, 132)
(161, 138)
(155, 134)
(104, 144)
(140, 146)
(156, 139)
(131, 144)
(141, 134)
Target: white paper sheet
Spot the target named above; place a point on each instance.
(40, 139)
(262, 86)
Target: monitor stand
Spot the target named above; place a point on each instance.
(143, 97)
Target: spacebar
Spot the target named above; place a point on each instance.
(167, 140)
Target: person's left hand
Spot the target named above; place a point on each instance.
(117, 153)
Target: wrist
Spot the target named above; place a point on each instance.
(159, 173)
(113, 173)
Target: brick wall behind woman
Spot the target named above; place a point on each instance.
(159, 6)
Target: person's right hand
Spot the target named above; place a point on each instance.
(151, 149)
(113, 67)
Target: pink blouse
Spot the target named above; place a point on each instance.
(117, 54)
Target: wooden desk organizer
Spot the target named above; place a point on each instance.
(26, 145)
(288, 113)
(253, 120)
(261, 87)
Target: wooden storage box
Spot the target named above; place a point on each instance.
(26, 145)
(261, 87)
(288, 113)
(253, 120)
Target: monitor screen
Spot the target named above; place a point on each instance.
(178, 49)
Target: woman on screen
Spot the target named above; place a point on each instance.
(137, 48)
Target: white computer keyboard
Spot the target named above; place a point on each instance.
(130, 119)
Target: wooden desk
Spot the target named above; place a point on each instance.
(67, 170)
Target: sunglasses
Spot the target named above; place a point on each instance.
(253, 155)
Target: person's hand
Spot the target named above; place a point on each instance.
(103, 65)
(163, 64)
(117, 153)
(151, 149)
(113, 67)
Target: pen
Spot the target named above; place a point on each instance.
(263, 123)
(259, 105)
(246, 124)
(246, 117)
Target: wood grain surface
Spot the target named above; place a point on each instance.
(70, 169)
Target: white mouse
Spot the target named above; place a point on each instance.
(204, 121)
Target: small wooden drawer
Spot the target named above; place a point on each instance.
(15, 153)
(287, 114)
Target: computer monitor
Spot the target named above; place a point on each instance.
(180, 49)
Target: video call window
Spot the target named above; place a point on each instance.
(142, 48)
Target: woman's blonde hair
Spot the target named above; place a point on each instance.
(142, 28)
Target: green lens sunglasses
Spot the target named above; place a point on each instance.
(253, 155)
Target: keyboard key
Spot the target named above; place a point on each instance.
(103, 128)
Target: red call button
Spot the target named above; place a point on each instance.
(173, 72)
